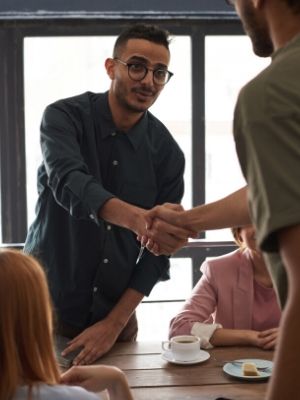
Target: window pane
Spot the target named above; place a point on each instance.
(229, 64)
(154, 319)
(180, 284)
(58, 67)
(174, 107)
(54, 68)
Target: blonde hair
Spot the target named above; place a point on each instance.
(27, 353)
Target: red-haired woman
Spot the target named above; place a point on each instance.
(27, 359)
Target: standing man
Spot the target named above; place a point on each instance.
(106, 159)
(267, 135)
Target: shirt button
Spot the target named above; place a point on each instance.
(108, 227)
(115, 162)
(105, 260)
(95, 289)
(113, 133)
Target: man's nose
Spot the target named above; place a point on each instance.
(148, 78)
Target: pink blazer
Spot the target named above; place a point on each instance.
(224, 295)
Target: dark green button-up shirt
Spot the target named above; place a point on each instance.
(87, 161)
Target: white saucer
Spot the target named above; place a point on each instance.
(203, 356)
(236, 370)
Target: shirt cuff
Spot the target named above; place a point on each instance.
(204, 332)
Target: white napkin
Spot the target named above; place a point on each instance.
(205, 332)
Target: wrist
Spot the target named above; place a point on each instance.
(116, 323)
(251, 338)
(188, 220)
(120, 213)
(136, 221)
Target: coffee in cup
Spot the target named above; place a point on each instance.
(183, 347)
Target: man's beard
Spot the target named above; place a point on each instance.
(134, 107)
(257, 30)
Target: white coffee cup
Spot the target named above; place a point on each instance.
(183, 347)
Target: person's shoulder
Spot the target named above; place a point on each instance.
(280, 75)
(80, 100)
(53, 392)
(217, 264)
(155, 122)
(77, 108)
(64, 392)
(161, 132)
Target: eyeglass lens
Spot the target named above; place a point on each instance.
(137, 72)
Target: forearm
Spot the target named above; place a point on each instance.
(233, 337)
(119, 388)
(123, 214)
(126, 305)
(227, 212)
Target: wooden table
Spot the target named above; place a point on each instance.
(152, 378)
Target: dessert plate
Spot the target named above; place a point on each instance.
(203, 356)
(235, 370)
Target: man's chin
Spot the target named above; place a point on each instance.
(140, 106)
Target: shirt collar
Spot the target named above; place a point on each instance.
(106, 124)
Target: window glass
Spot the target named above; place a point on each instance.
(55, 68)
(154, 317)
(154, 320)
(229, 64)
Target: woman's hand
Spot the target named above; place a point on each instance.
(267, 339)
(97, 378)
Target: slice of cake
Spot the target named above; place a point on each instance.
(249, 369)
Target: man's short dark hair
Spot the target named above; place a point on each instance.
(153, 33)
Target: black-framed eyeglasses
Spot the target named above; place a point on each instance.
(137, 72)
(230, 2)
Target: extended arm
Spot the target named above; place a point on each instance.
(133, 218)
(229, 211)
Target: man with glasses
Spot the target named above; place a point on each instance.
(106, 160)
(267, 136)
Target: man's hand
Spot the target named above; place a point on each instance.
(99, 338)
(96, 340)
(165, 233)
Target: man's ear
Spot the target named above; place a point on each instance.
(110, 67)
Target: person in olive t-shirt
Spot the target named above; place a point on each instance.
(267, 136)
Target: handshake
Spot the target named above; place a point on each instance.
(166, 229)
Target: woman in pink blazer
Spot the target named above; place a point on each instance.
(234, 302)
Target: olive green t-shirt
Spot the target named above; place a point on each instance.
(267, 135)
